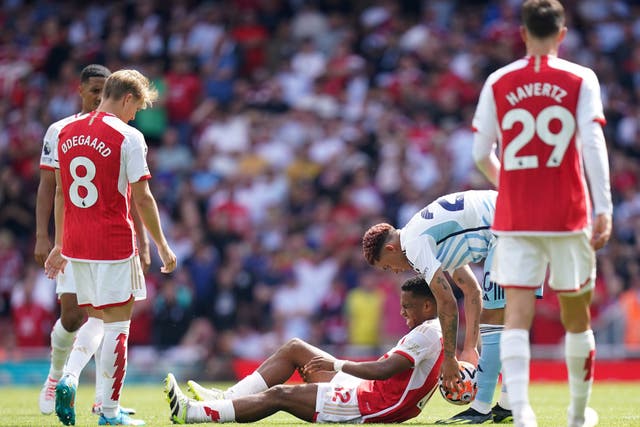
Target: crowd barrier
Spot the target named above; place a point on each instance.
(32, 368)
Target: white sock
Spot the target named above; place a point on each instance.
(87, 341)
(97, 356)
(61, 343)
(113, 365)
(504, 398)
(215, 410)
(250, 384)
(580, 352)
(482, 407)
(515, 355)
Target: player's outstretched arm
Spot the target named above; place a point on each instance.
(44, 207)
(448, 316)
(380, 369)
(148, 210)
(468, 283)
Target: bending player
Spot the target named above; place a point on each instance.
(73, 340)
(447, 235)
(393, 388)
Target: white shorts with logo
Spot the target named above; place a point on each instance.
(521, 261)
(337, 401)
(102, 284)
(65, 284)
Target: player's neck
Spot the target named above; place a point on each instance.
(111, 107)
(537, 46)
(542, 49)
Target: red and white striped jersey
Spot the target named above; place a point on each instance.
(98, 156)
(540, 110)
(403, 396)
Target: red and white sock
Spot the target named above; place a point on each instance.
(113, 365)
(580, 350)
(220, 411)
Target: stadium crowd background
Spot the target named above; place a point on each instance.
(285, 129)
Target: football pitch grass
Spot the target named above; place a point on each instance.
(618, 405)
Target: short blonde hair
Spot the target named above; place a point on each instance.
(123, 82)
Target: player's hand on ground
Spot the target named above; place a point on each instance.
(54, 263)
(601, 231)
(168, 259)
(450, 373)
(470, 355)
(41, 250)
(318, 363)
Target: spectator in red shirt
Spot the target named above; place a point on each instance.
(252, 39)
(32, 321)
(183, 95)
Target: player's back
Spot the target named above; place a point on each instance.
(456, 227)
(93, 163)
(540, 102)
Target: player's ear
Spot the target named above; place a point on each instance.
(428, 305)
(523, 34)
(389, 247)
(561, 35)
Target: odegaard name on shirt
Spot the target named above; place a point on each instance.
(77, 140)
(536, 89)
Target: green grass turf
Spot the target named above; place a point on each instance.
(618, 405)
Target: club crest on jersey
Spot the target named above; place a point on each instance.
(536, 89)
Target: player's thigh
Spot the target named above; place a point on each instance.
(298, 400)
(301, 352)
(572, 263)
(519, 261)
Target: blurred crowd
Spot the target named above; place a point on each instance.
(286, 128)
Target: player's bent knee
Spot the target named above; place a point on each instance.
(72, 319)
(280, 394)
(292, 344)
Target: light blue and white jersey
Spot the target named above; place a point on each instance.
(450, 232)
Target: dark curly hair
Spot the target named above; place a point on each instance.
(373, 241)
(94, 70)
(418, 286)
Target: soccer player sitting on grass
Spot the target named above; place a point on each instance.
(393, 388)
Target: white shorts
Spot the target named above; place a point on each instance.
(337, 401)
(521, 261)
(65, 284)
(102, 284)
